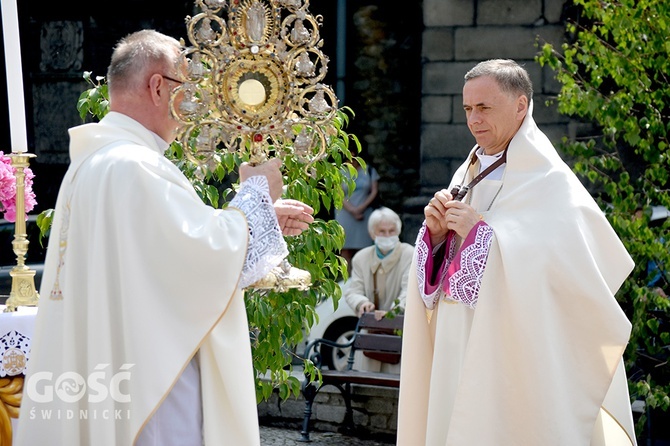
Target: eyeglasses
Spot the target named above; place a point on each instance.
(172, 79)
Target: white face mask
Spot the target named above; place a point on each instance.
(386, 244)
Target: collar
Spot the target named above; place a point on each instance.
(381, 255)
(387, 262)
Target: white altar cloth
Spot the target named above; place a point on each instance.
(16, 333)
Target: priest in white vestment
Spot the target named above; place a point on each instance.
(512, 332)
(141, 336)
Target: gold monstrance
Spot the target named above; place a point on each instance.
(252, 85)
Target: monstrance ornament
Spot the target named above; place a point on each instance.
(252, 84)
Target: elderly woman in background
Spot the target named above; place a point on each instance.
(379, 276)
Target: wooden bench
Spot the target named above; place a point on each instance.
(370, 336)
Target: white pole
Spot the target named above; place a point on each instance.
(17, 112)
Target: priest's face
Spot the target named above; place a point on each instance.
(493, 116)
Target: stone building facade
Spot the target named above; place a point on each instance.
(403, 74)
(457, 34)
(59, 41)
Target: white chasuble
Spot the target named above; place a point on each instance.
(538, 361)
(140, 276)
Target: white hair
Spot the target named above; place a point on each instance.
(383, 214)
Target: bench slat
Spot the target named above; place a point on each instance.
(378, 343)
(360, 377)
(367, 320)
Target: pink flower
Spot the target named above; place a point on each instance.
(7, 180)
(8, 189)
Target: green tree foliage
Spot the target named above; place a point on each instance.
(613, 72)
(277, 320)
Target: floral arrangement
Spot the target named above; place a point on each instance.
(8, 189)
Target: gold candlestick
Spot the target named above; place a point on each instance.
(23, 291)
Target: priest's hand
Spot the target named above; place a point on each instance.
(434, 213)
(270, 170)
(460, 217)
(294, 216)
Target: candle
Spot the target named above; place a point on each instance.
(17, 112)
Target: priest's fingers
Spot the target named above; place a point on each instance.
(444, 195)
(434, 218)
(293, 229)
(294, 224)
(269, 167)
(294, 216)
(270, 170)
(437, 230)
(439, 200)
(463, 210)
(461, 220)
(457, 205)
(292, 207)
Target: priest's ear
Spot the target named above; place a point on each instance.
(159, 89)
(521, 107)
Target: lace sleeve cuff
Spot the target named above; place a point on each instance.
(267, 246)
(464, 275)
(429, 292)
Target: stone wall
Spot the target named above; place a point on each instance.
(384, 90)
(404, 70)
(59, 41)
(375, 411)
(457, 35)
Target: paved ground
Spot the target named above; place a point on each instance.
(288, 436)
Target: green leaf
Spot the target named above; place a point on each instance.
(613, 73)
(276, 320)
